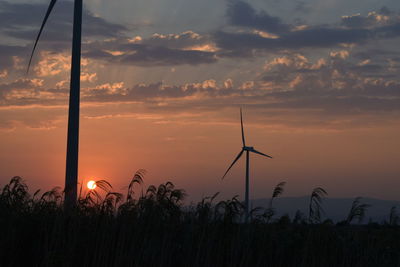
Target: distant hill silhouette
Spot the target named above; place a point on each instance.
(336, 209)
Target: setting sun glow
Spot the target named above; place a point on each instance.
(91, 185)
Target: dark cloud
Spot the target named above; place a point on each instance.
(158, 50)
(242, 14)
(148, 56)
(354, 29)
(19, 20)
(376, 52)
(22, 21)
(162, 56)
(390, 31)
(323, 37)
(318, 37)
(314, 37)
(302, 6)
(369, 68)
(358, 21)
(6, 54)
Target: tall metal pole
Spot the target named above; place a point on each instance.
(71, 176)
(247, 187)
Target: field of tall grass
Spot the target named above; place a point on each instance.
(154, 228)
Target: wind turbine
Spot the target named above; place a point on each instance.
(71, 176)
(248, 149)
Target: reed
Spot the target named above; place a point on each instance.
(155, 228)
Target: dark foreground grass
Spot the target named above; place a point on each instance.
(155, 230)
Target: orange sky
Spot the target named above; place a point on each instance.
(194, 154)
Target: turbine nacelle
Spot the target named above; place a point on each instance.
(248, 148)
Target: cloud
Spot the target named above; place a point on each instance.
(242, 14)
(187, 40)
(293, 81)
(21, 21)
(157, 51)
(302, 6)
(334, 85)
(290, 86)
(18, 19)
(18, 90)
(51, 64)
(249, 33)
(383, 17)
(7, 55)
(339, 80)
(241, 44)
(355, 29)
(37, 118)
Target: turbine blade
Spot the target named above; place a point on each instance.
(49, 9)
(241, 124)
(233, 163)
(262, 154)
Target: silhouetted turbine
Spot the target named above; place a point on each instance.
(248, 149)
(71, 176)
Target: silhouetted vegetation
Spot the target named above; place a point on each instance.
(154, 228)
(315, 209)
(278, 190)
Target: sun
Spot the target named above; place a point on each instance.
(91, 185)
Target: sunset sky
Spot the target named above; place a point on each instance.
(162, 83)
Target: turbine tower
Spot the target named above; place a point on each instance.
(248, 149)
(71, 176)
